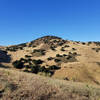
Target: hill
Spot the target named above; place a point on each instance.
(78, 61)
(50, 68)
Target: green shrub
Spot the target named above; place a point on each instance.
(57, 60)
(52, 48)
(28, 56)
(54, 67)
(61, 43)
(69, 57)
(50, 58)
(35, 69)
(73, 49)
(83, 43)
(38, 61)
(62, 49)
(58, 55)
(66, 46)
(75, 54)
(38, 52)
(97, 43)
(96, 49)
(42, 69)
(98, 63)
(18, 64)
(65, 55)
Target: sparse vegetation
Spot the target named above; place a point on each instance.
(50, 58)
(66, 58)
(89, 43)
(97, 43)
(73, 49)
(38, 52)
(53, 67)
(16, 47)
(52, 48)
(62, 49)
(66, 46)
(96, 49)
(98, 63)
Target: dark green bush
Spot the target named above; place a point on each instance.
(83, 43)
(65, 55)
(28, 56)
(66, 46)
(62, 49)
(39, 51)
(73, 49)
(52, 48)
(61, 43)
(18, 64)
(57, 60)
(38, 61)
(58, 55)
(35, 69)
(54, 67)
(50, 58)
(96, 49)
(75, 54)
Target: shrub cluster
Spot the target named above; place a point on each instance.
(16, 47)
(52, 48)
(97, 43)
(66, 46)
(54, 67)
(96, 49)
(38, 52)
(34, 66)
(71, 57)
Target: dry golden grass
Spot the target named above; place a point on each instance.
(15, 85)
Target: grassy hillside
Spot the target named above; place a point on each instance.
(50, 68)
(57, 58)
(16, 85)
